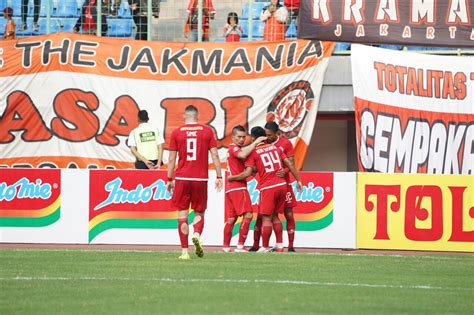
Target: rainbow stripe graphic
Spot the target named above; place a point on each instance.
(304, 221)
(134, 220)
(32, 218)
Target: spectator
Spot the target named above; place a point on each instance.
(24, 11)
(232, 31)
(293, 7)
(191, 27)
(275, 16)
(88, 19)
(140, 15)
(10, 26)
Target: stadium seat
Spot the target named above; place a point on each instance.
(3, 23)
(43, 11)
(55, 26)
(291, 31)
(16, 6)
(3, 4)
(427, 48)
(342, 46)
(124, 10)
(26, 32)
(66, 24)
(67, 8)
(257, 27)
(256, 10)
(392, 47)
(119, 27)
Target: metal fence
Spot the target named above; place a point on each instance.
(158, 20)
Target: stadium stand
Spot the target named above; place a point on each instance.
(119, 27)
(67, 8)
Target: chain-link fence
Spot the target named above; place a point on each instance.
(167, 20)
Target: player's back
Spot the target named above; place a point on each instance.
(192, 142)
(268, 159)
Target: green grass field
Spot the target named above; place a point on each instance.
(106, 281)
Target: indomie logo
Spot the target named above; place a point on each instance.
(119, 195)
(23, 188)
(310, 192)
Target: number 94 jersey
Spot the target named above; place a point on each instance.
(192, 142)
(268, 159)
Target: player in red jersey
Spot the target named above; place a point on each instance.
(268, 160)
(271, 131)
(191, 143)
(237, 197)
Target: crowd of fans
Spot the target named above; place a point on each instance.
(276, 15)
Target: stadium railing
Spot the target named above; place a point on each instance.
(62, 15)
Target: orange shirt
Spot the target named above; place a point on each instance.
(10, 30)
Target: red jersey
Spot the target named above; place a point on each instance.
(286, 147)
(268, 159)
(235, 166)
(192, 141)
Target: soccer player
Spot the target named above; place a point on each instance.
(191, 143)
(237, 197)
(271, 131)
(268, 159)
(281, 142)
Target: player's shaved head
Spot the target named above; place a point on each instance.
(190, 113)
(257, 132)
(272, 126)
(237, 128)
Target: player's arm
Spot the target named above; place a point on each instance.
(217, 166)
(291, 167)
(242, 176)
(245, 152)
(171, 164)
(140, 157)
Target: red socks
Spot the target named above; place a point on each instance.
(266, 232)
(199, 225)
(244, 230)
(183, 236)
(257, 231)
(290, 228)
(228, 227)
(278, 228)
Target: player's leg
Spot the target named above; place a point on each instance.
(228, 227)
(279, 202)
(183, 231)
(230, 217)
(257, 232)
(290, 203)
(181, 200)
(278, 228)
(266, 233)
(290, 228)
(199, 204)
(266, 210)
(244, 210)
(244, 230)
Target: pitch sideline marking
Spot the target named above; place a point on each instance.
(108, 250)
(246, 281)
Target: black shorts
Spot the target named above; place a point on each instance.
(139, 165)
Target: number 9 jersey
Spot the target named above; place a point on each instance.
(192, 142)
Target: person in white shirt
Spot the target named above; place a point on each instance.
(146, 143)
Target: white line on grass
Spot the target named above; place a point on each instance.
(246, 281)
(348, 254)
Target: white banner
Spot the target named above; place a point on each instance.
(66, 103)
(414, 112)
